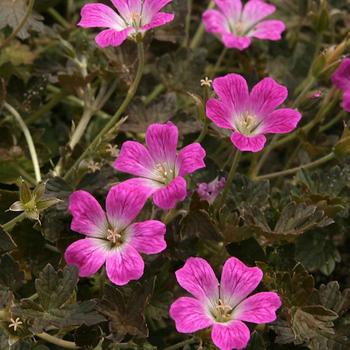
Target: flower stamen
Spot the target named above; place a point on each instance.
(114, 236)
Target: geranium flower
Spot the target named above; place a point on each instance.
(160, 168)
(224, 306)
(111, 237)
(341, 79)
(133, 17)
(209, 191)
(236, 24)
(250, 116)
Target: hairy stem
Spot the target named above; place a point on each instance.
(20, 25)
(57, 341)
(291, 171)
(29, 140)
(129, 96)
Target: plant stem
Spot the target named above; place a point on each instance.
(29, 140)
(57, 341)
(55, 15)
(129, 96)
(197, 38)
(181, 344)
(188, 23)
(10, 224)
(327, 126)
(219, 61)
(310, 165)
(20, 25)
(154, 94)
(229, 179)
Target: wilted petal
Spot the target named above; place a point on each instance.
(258, 308)
(87, 254)
(147, 236)
(266, 96)
(248, 143)
(135, 159)
(281, 121)
(167, 196)
(123, 204)
(190, 158)
(112, 37)
(238, 281)
(99, 15)
(88, 216)
(123, 265)
(256, 10)
(232, 335)
(199, 279)
(189, 315)
(270, 30)
(161, 140)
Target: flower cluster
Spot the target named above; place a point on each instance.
(341, 79)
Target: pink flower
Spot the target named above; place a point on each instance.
(112, 238)
(160, 168)
(209, 191)
(235, 25)
(341, 79)
(250, 116)
(224, 306)
(135, 16)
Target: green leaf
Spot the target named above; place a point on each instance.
(332, 298)
(10, 274)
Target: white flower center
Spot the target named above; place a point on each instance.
(115, 236)
(247, 124)
(164, 172)
(135, 19)
(222, 312)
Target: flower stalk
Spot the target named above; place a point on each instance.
(57, 341)
(10, 224)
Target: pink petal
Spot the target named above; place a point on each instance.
(88, 216)
(189, 315)
(112, 37)
(238, 281)
(135, 6)
(99, 15)
(266, 96)
(341, 77)
(87, 254)
(232, 41)
(232, 90)
(152, 7)
(169, 195)
(158, 20)
(134, 159)
(199, 279)
(146, 185)
(161, 140)
(256, 10)
(219, 113)
(123, 204)
(281, 121)
(269, 30)
(232, 335)
(346, 101)
(190, 158)
(124, 264)
(122, 7)
(148, 236)
(248, 143)
(231, 8)
(258, 308)
(215, 22)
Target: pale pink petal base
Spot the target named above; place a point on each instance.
(232, 335)
(189, 315)
(124, 265)
(198, 278)
(248, 143)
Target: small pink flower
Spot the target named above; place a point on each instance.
(160, 167)
(250, 116)
(224, 306)
(235, 25)
(112, 238)
(341, 79)
(135, 16)
(209, 191)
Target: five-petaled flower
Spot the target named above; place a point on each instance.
(236, 24)
(250, 116)
(112, 238)
(341, 79)
(222, 306)
(135, 17)
(160, 167)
